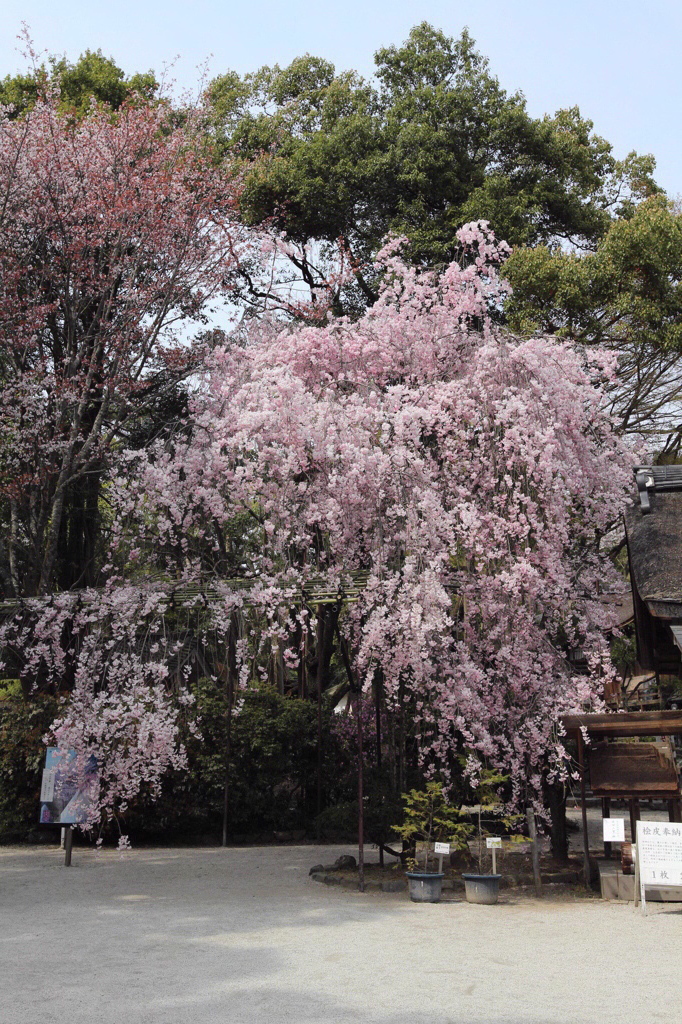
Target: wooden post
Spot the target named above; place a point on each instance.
(634, 817)
(377, 710)
(606, 813)
(320, 675)
(361, 804)
(587, 874)
(533, 833)
(356, 691)
(230, 670)
(68, 844)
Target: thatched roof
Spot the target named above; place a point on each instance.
(655, 546)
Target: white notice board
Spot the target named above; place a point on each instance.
(659, 855)
(614, 830)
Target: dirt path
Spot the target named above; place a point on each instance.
(243, 936)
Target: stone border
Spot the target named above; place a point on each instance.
(509, 881)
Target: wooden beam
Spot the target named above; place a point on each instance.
(630, 723)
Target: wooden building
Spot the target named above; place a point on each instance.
(654, 538)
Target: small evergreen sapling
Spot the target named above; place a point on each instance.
(429, 818)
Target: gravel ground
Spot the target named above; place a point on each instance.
(243, 935)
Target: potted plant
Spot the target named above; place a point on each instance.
(429, 819)
(481, 887)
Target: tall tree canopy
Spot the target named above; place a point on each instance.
(92, 77)
(625, 294)
(432, 142)
(115, 235)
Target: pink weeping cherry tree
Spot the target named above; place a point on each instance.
(466, 475)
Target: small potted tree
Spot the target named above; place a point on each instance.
(429, 819)
(481, 887)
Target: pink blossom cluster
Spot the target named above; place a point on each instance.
(469, 473)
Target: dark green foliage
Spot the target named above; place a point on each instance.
(273, 769)
(625, 291)
(436, 143)
(23, 723)
(92, 76)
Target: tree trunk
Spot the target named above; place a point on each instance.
(554, 794)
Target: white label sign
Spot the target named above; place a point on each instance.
(614, 830)
(47, 786)
(441, 849)
(659, 852)
(494, 843)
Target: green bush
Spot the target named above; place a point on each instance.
(23, 724)
(272, 769)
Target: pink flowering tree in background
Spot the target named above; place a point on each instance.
(116, 237)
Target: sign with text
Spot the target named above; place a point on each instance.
(47, 786)
(494, 843)
(659, 853)
(614, 830)
(441, 849)
(68, 788)
(658, 859)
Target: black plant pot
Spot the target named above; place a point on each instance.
(482, 888)
(425, 886)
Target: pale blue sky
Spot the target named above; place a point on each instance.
(618, 60)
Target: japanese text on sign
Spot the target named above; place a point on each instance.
(659, 852)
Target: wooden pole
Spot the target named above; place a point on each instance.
(361, 804)
(377, 700)
(320, 679)
(230, 666)
(68, 844)
(357, 693)
(587, 874)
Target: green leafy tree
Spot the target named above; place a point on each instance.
(92, 76)
(624, 294)
(434, 141)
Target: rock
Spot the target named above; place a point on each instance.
(345, 863)
(317, 867)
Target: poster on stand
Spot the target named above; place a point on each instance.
(68, 789)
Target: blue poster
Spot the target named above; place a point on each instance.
(68, 788)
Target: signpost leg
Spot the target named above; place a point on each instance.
(636, 860)
(494, 861)
(68, 843)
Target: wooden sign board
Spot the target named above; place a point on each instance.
(659, 856)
